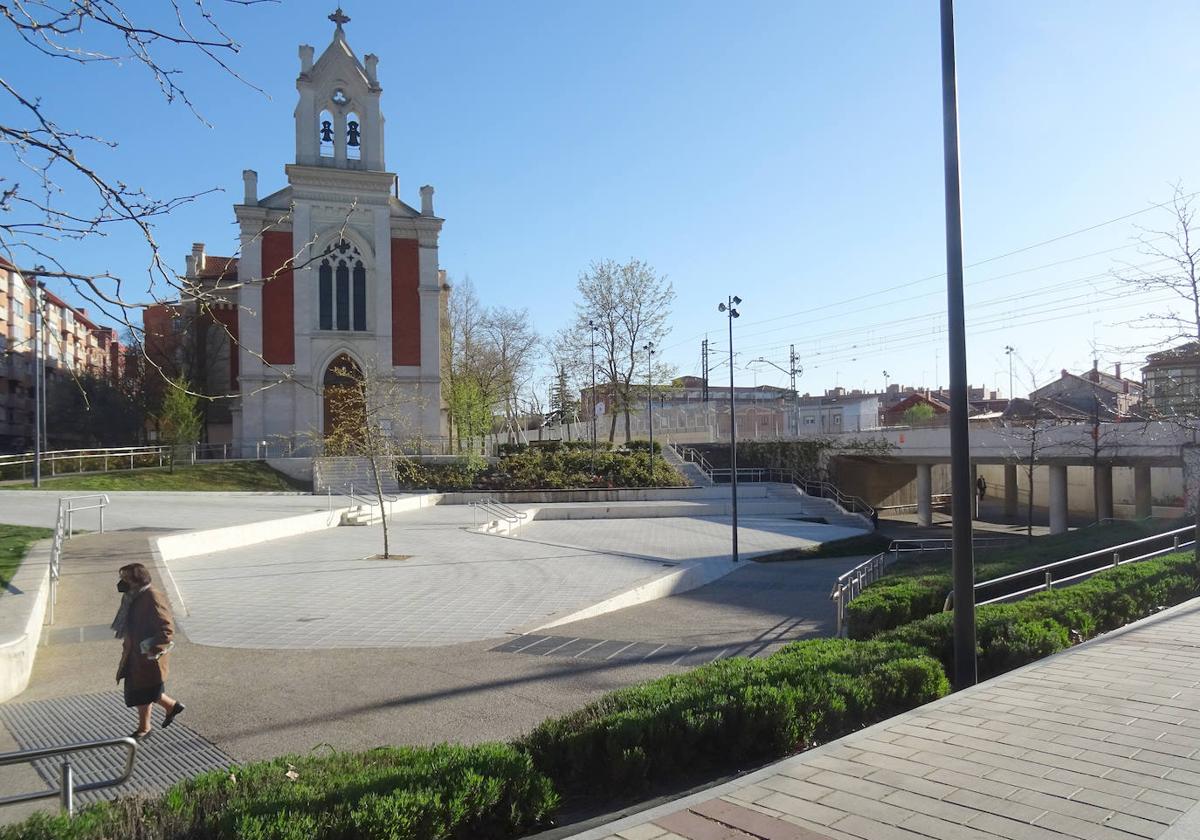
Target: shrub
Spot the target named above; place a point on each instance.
(1011, 635)
(730, 712)
(881, 608)
(918, 587)
(643, 446)
(389, 793)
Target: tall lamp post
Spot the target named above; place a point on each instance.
(731, 313)
(592, 327)
(38, 374)
(649, 348)
(962, 489)
(1008, 351)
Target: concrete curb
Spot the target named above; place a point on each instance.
(22, 612)
(673, 582)
(192, 543)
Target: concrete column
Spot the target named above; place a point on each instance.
(1058, 498)
(924, 494)
(974, 491)
(1143, 500)
(1102, 481)
(1010, 490)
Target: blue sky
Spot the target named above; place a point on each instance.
(787, 152)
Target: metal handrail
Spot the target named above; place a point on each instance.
(851, 584)
(66, 504)
(67, 789)
(1113, 557)
(64, 529)
(499, 510)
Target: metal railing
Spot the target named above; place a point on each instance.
(64, 529)
(850, 585)
(817, 488)
(936, 501)
(67, 787)
(122, 458)
(496, 510)
(1086, 565)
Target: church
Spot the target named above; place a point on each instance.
(335, 277)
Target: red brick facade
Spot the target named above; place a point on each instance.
(406, 303)
(278, 315)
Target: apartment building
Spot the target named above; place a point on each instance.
(72, 345)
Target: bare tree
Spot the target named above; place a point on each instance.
(1175, 269)
(509, 345)
(1177, 327)
(61, 192)
(373, 419)
(623, 307)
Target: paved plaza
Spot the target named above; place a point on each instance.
(453, 585)
(395, 685)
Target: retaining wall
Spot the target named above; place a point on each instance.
(22, 613)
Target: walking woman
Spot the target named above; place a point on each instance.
(146, 628)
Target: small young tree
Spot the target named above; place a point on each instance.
(374, 414)
(179, 418)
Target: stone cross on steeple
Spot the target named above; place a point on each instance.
(339, 18)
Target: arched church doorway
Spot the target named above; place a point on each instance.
(345, 409)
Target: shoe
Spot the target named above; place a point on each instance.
(176, 709)
(138, 735)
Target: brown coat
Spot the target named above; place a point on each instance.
(149, 617)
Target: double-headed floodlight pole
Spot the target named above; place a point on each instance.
(1008, 351)
(649, 348)
(961, 488)
(731, 313)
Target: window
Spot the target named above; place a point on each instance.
(19, 309)
(360, 297)
(325, 134)
(342, 290)
(325, 291)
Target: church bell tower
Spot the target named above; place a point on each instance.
(338, 120)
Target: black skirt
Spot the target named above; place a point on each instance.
(142, 696)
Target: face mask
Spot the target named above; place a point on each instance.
(123, 586)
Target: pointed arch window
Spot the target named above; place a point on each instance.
(353, 137)
(325, 133)
(342, 289)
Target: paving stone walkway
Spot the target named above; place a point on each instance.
(1097, 743)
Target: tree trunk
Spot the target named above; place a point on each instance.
(612, 428)
(382, 509)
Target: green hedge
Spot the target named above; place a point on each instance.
(881, 608)
(487, 791)
(550, 467)
(918, 587)
(728, 713)
(1011, 635)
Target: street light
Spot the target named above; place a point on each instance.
(592, 326)
(649, 348)
(961, 486)
(1009, 350)
(731, 313)
(885, 381)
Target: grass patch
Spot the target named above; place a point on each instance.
(868, 544)
(225, 476)
(917, 585)
(14, 542)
